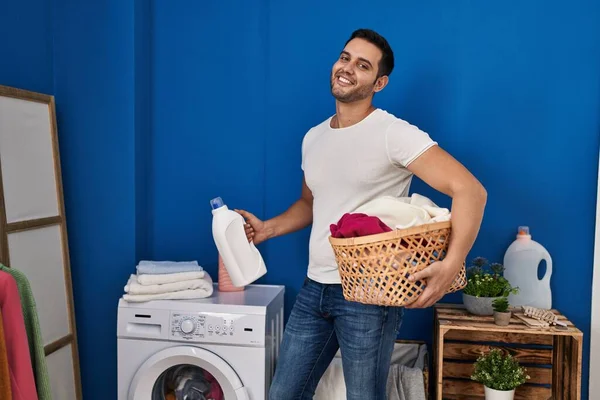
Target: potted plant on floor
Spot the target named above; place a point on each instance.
(500, 374)
(484, 285)
(501, 312)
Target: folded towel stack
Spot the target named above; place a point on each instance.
(173, 280)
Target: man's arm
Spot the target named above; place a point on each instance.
(297, 217)
(442, 172)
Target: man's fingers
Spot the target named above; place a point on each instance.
(416, 304)
(419, 303)
(247, 215)
(417, 276)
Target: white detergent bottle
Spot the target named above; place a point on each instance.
(521, 261)
(242, 259)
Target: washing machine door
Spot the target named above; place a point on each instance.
(160, 366)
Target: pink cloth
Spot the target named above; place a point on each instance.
(216, 393)
(15, 336)
(357, 224)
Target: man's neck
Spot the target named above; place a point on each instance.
(348, 114)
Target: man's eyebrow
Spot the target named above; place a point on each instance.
(360, 58)
(365, 60)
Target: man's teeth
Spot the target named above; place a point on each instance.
(344, 80)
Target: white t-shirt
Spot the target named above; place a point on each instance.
(347, 167)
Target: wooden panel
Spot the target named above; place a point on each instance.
(462, 397)
(33, 223)
(557, 362)
(571, 368)
(458, 316)
(4, 257)
(26, 139)
(464, 370)
(46, 272)
(458, 387)
(60, 371)
(506, 337)
(59, 344)
(468, 352)
(512, 328)
(445, 309)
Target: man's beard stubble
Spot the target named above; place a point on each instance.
(355, 94)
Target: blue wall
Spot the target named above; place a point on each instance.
(102, 72)
(26, 59)
(164, 105)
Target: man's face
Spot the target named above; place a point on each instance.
(354, 74)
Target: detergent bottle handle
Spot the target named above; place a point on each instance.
(546, 257)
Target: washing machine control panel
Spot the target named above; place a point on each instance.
(215, 327)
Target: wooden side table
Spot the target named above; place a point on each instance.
(551, 355)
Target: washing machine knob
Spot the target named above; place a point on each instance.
(187, 326)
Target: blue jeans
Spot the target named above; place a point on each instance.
(321, 322)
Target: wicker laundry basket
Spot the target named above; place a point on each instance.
(374, 269)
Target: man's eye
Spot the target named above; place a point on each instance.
(362, 66)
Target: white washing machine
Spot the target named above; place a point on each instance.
(186, 345)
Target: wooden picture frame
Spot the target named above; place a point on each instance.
(33, 231)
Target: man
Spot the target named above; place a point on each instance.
(359, 154)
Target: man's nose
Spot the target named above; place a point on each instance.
(348, 69)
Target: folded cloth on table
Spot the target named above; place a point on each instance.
(353, 225)
(405, 212)
(134, 287)
(202, 292)
(166, 267)
(160, 279)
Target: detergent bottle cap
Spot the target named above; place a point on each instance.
(217, 202)
(523, 232)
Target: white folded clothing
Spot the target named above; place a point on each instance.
(437, 214)
(404, 212)
(161, 279)
(133, 287)
(205, 291)
(167, 267)
(181, 295)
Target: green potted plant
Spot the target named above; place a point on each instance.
(501, 312)
(500, 374)
(485, 283)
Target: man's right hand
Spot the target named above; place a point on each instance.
(256, 229)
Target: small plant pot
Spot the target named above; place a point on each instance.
(479, 305)
(502, 318)
(493, 394)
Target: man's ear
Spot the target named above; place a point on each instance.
(380, 83)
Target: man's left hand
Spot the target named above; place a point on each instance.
(439, 276)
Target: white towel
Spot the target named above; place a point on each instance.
(404, 212)
(166, 267)
(160, 279)
(437, 214)
(134, 287)
(205, 291)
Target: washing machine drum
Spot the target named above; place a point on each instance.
(186, 373)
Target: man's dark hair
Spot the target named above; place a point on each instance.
(386, 65)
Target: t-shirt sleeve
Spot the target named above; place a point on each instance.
(305, 140)
(405, 143)
(302, 154)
